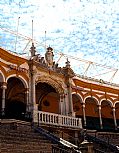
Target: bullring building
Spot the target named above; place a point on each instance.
(49, 109)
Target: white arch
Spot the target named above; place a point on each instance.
(19, 77)
(79, 96)
(2, 75)
(93, 97)
(110, 102)
(117, 102)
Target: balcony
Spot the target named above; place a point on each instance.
(59, 120)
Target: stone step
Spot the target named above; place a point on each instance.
(22, 137)
(16, 146)
(22, 140)
(26, 146)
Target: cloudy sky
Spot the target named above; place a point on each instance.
(85, 31)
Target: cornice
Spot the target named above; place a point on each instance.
(10, 57)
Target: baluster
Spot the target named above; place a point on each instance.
(53, 119)
(57, 120)
(43, 118)
(60, 120)
(48, 118)
(66, 120)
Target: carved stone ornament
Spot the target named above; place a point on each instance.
(49, 56)
(67, 71)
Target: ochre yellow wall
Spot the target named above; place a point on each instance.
(100, 92)
(54, 104)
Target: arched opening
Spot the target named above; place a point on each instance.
(107, 115)
(117, 113)
(92, 114)
(77, 106)
(15, 99)
(47, 98)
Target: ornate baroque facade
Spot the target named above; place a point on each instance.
(39, 84)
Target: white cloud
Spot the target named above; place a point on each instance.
(84, 28)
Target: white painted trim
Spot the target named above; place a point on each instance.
(108, 101)
(19, 77)
(95, 99)
(2, 75)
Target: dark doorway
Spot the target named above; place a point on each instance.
(15, 110)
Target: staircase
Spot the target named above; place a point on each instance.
(20, 137)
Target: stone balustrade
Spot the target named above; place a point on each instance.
(59, 120)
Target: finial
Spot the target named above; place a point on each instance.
(67, 63)
(50, 49)
(32, 50)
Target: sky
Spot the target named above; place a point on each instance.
(84, 31)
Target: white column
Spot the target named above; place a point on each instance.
(71, 112)
(100, 116)
(30, 88)
(62, 105)
(27, 100)
(3, 98)
(84, 114)
(28, 104)
(34, 105)
(32, 93)
(114, 116)
(66, 103)
(68, 94)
